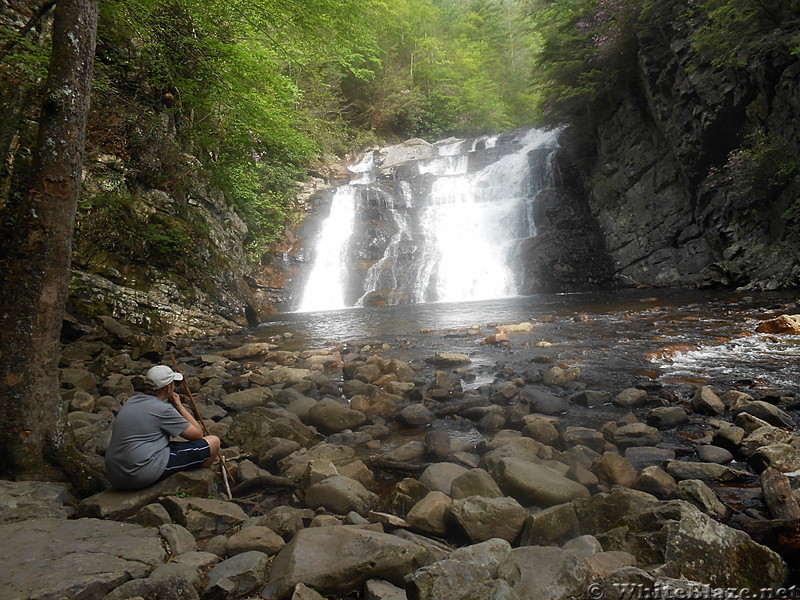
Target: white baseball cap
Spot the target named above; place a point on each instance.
(161, 376)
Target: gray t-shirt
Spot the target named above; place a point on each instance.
(139, 450)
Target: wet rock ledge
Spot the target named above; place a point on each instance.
(352, 479)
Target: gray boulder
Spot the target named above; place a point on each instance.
(544, 572)
(330, 416)
(66, 559)
(245, 399)
(706, 402)
(475, 482)
(440, 476)
(416, 415)
(176, 586)
(21, 500)
(257, 537)
(359, 554)
(340, 495)
(485, 518)
(204, 517)
(464, 569)
(533, 484)
(237, 576)
(636, 434)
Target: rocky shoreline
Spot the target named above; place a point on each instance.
(351, 481)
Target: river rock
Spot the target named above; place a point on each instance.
(533, 484)
(286, 375)
(179, 539)
(475, 482)
(684, 541)
(340, 495)
(437, 444)
(549, 525)
(485, 518)
(430, 514)
(783, 324)
(656, 481)
(204, 517)
(21, 500)
(257, 537)
(783, 457)
(237, 576)
(251, 431)
(544, 572)
(245, 399)
(167, 582)
(408, 452)
(763, 436)
(647, 456)
(447, 359)
(541, 401)
(583, 436)
(251, 350)
(378, 589)
(703, 497)
(714, 454)
(67, 559)
(666, 417)
(615, 470)
(404, 495)
(704, 471)
(359, 554)
(453, 577)
(119, 505)
(602, 564)
(416, 415)
(636, 434)
(729, 437)
(766, 412)
(330, 416)
(440, 476)
(542, 429)
(583, 546)
(630, 398)
(706, 402)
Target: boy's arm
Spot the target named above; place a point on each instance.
(194, 431)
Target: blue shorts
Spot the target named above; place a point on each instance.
(184, 456)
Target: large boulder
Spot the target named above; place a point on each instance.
(330, 416)
(340, 495)
(119, 505)
(251, 431)
(453, 577)
(21, 500)
(679, 540)
(67, 559)
(338, 560)
(237, 576)
(533, 484)
(440, 476)
(544, 572)
(485, 518)
(204, 517)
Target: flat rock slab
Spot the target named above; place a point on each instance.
(22, 500)
(64, 560)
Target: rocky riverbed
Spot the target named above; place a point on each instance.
(358, 474)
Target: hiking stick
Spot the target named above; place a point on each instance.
(225, 472)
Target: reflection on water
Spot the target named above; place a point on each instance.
(615, 337)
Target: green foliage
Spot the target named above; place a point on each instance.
(763, 165)
(731, 33)
(587, 52)
(117, 224)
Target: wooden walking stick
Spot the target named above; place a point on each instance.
(225, 468)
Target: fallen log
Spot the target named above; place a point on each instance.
(778, 495)
(261, 482)
(376, 462)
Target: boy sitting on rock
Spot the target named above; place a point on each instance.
(140, 452)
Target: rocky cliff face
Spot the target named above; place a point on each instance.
(692, 176)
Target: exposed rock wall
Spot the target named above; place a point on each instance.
(692, 177)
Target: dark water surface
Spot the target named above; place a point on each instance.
(678, 338)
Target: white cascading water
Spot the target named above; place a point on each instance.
(454, 242)
(325, 287)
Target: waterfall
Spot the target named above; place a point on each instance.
(441, 227)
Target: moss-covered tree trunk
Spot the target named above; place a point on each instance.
(36, 243)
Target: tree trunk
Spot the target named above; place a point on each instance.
(35, 259)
